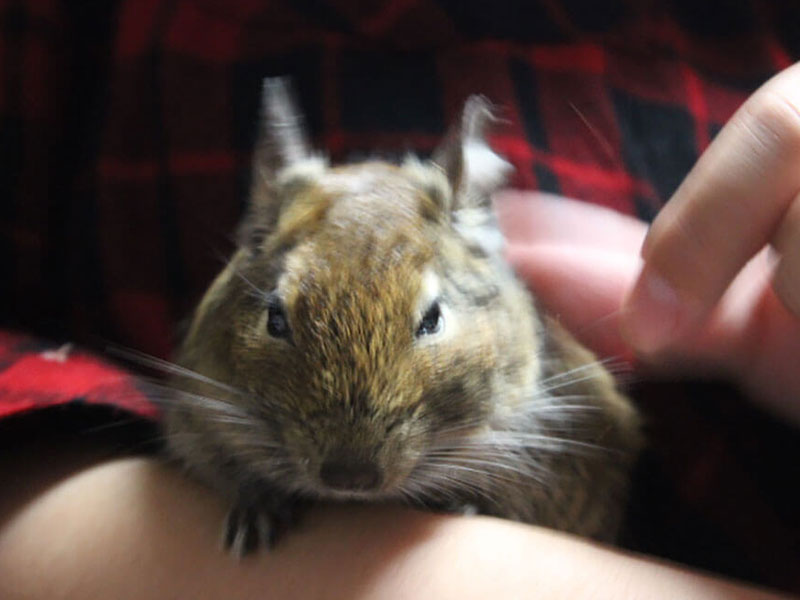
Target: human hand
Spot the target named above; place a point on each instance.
(719, 290)
(582, 261)
(740, 201)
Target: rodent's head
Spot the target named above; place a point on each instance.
(367, 316)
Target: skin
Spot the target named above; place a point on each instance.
(347, 400)
(742, 195)
(131, 528)
(716, 286)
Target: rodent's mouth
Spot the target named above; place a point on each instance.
(353, 473)
(385, 490)
(381, 488)
(353, 495)
(344, 474)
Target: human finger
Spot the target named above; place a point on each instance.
(536, 217)
(787, 243)
(749, 338)
(582, 287)
(725, 211)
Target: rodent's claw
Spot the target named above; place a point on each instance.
(250, 526)
(366, 328)
(246, 530)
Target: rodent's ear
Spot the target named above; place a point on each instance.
(281, 138)
(472, 167)
(282, 160)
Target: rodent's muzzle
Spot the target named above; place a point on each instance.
(350, 474)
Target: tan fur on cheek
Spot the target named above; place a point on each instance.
(496, 409)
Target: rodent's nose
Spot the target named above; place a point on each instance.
(346, 474)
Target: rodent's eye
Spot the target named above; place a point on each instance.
(431, 320)
(277, 323)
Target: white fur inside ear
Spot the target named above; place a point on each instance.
(307, 170)
(479, 226)
(485, 170)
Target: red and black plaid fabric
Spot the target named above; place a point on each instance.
(36, 374)
(126, 129)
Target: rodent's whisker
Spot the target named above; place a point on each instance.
(545, 400)
(276, 467)
(373, 324)
(180, 398)
(167, 367)
(418, 492)
(488, 458)
(550, 443)
(544, 406)
(559, 408)
(475, 462)
(546, 403)
(576, 375)
(150, 441)
(410, 496)
(256, 291)
(115, 424)
(521, 440)
(448, 476)
(569, 373)
(438, 482)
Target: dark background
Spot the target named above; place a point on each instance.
(126, 129)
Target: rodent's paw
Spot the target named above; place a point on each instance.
(250, 525)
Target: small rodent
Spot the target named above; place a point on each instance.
(367, 341)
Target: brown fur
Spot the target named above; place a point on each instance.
(462, 418)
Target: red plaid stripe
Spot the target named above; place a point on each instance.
(35, 375)
(184, 94)
(126, 129)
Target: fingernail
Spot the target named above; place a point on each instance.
(653, 315)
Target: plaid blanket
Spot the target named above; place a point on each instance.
(126, 129)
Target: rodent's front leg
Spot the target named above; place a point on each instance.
(259, 520)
